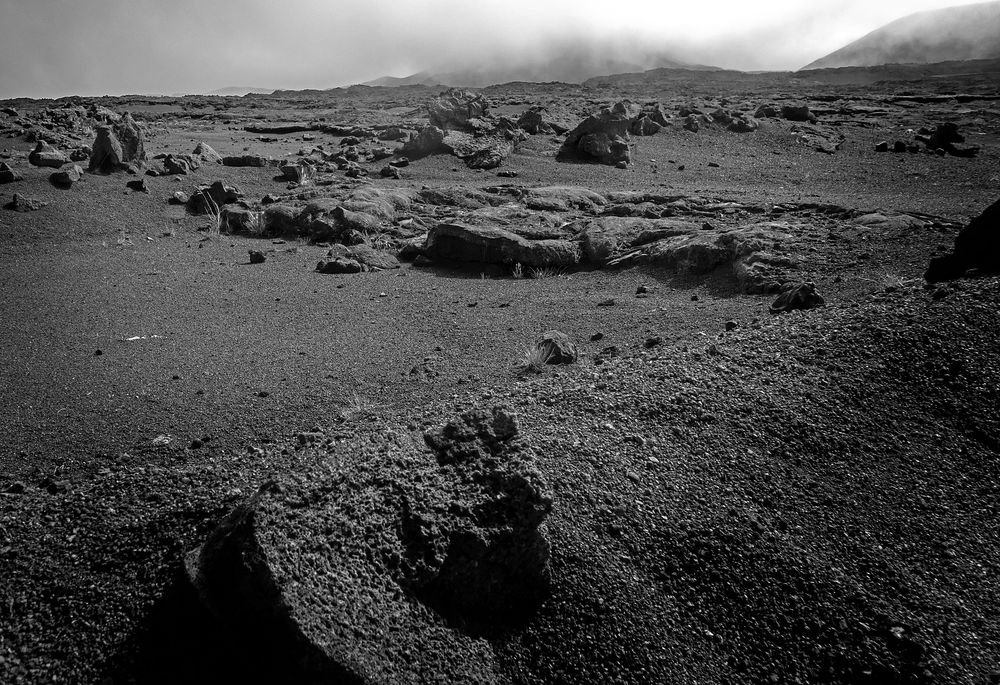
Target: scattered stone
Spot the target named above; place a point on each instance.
(507, 174)
(257, 257)
(47, 156)
(882, 146)
(798, 296)
(179, 198)
(138, 186)
(390, 171)
(652, 342)
(731, 326)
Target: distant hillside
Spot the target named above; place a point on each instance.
(241, 90)
(566, 63)
(954, 33)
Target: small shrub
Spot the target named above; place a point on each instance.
(518, 271)
(535, 359)
(544, 272)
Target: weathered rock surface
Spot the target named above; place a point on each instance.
(492, 245)
(757, 255)
(387, 568)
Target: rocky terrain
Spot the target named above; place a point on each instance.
(672, 376)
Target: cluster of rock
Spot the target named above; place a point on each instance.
(388, 561)
(183, 164)
(942, 140)
(460, 124)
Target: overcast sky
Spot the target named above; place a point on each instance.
(50, 48)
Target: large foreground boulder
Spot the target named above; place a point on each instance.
(602, 137)
(977, 246)
(458, 243)
(390, 563)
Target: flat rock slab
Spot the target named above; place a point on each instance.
(387, 563)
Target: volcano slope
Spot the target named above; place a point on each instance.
(717, 494)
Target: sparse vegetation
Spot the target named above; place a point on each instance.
(517, 272)
(215, 220)
(539, 272)
(255, 223)
(535, 358)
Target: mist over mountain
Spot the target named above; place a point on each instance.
(566, 61)
(954, 33)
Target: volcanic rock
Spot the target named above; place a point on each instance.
(602, 137)
(977, 246)
(799, 296)
(382, 565)
(65, 179)
(20, 203)
(427, 141)
(207, 154)
(8, 175)
(247, 160)
(493, 245)
(797, 112)
(46, 155)
(555, 347)
(118, 145)
(458, 109)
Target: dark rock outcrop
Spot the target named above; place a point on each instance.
(65, 179)
(602, 137)
(977, 247)
(798, 296)
(8, 175)
(118, 146)
(467, 244)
